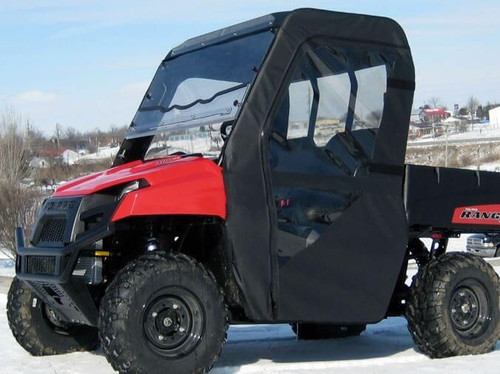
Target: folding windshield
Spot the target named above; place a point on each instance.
(202, 88)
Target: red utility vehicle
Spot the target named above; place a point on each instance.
(262, 180)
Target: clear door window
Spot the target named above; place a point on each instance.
(372, 86)
(334, 92)
(301, 100)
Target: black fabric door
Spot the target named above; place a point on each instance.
(338, 217)
(356, 240)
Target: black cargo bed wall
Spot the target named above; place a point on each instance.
(432, 194)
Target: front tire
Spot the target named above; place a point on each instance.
(163, 315)
(37, 327)
(454, 306)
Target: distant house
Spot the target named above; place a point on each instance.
(39, 163)
(50, 157)
(454, 122)
(433, 115)
(415, 116)
(51, 153)
(495, 117)
(69, 157)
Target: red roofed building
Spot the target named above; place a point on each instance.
(433, 115)
(51, 152)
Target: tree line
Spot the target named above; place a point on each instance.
(21, 185)
(472, 107)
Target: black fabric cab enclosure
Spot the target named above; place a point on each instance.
(314, 170)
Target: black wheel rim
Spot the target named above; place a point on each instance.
(173, 322)
(470, 309)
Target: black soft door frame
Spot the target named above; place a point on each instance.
(248, 226)
(346, 276)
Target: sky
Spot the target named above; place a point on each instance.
(86, 64)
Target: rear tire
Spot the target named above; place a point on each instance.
(37, 328)
(163, 315)
(454, 306)
(316, 331)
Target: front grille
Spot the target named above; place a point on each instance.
(475, 242)
(479, 243)
(41, 265)
(53, 230)
(55, 222)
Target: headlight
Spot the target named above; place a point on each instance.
(132, 186)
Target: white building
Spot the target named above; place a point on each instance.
(495, 117)
(69, 157)
(38, 163)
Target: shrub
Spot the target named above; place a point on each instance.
(19, 206)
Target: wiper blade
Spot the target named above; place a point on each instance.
(163, 109)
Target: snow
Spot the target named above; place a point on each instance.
(103, 153)
(6, 265)
(385, 348)
(7, 271)
(478, 132)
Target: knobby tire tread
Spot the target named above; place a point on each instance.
(112, 327)
(425, 311)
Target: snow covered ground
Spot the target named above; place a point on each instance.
(7, 268)
(478, 132)
(104, 153)
(386, 348)
(383, 348)
(6, 265)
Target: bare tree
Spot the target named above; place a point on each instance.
(71, 138)
(117, 134)
(434, 102)
(18, 203)
(57, 135)
(13, 155)
(19, 206)
(35, 140)
(472, 105)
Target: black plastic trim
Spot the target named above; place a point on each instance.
(69, 297)
(72, 250)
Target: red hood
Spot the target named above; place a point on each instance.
(154, 171)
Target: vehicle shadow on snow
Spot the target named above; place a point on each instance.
(277, 343)
(250, 344)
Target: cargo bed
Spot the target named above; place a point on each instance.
(451, 199)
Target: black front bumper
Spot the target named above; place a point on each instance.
(49, 272)
(48, 266)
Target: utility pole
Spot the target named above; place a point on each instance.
(28, 135)
(478, 157)
(446, 148)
